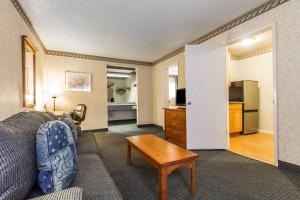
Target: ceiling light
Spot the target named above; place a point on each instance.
(248, 41)
(118, 75)
(120, 70)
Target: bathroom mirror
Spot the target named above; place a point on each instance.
(28, 70)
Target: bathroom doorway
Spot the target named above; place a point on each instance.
(121, 95)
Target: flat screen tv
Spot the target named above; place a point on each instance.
(180, 97)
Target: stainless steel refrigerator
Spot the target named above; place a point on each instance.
(247, 91)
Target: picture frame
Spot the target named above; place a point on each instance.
(78, 81)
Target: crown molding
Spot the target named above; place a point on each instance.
(28, 22)
(252, 54)
(70, 54)
(100, 58)
(240, 20)
(249, 15)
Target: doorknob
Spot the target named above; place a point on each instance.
(189, 103)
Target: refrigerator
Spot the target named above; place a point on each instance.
(247, 92)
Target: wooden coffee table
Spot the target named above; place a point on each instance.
(164, 156)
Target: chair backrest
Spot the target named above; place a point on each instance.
(79, 113)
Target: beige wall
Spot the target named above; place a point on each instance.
(287, 20)
(96, 100)
(53, 69)
(259, 68)
(11, 31)
(160, 88)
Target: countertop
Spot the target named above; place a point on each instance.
(121, 104)
(235, 102)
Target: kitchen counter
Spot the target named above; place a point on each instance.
(120, 104)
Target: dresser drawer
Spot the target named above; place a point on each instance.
(175, 124)
(176, 136)
(175, 132)
(174, 116)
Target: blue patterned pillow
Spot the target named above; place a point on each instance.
(69, 121)
(56, 156)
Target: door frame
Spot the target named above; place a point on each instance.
(122, 66)
(232, 40)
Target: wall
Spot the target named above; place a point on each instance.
(11, 31)
(288, 72)
(119, 83)
(131, 94)
(96, 100)
(160, 88)
(126, 83)
(259, 68)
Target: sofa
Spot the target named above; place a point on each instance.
(18, 168)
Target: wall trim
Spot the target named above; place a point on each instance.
(94, 130)
(252, 54)
(288, 166)
(28, 22)
(100, 58)
(70, 54)
(149, 125)
(238, 21)
(266, 131)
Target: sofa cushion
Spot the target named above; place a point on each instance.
(56, 156)
(17, 155)
(69, 121)
(74, 193)
(94, 179)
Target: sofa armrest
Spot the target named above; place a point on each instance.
(74, 193)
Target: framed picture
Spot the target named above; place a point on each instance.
(78, 82)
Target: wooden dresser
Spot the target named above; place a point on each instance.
(175, 126)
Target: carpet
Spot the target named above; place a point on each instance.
(220, 174)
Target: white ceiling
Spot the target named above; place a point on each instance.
(142, 30)
(261, 41)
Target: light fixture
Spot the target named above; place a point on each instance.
(125, 71)
(54, 97)
(53, 91)
(117, 75)
(248, 41)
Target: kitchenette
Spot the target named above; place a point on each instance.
(243, 107)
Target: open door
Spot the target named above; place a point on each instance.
(206, 95)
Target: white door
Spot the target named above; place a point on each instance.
(206, 96)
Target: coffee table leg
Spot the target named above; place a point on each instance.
(193, 177)
(128, 154)
(163, 184)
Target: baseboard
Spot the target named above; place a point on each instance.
(265, 131)
(95, 130)
(158, 126)
(149, 125)
(288, 166)
(122, 121)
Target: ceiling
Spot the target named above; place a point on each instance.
(143, 30)
(260, 41)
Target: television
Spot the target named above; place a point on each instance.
(180, 97)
